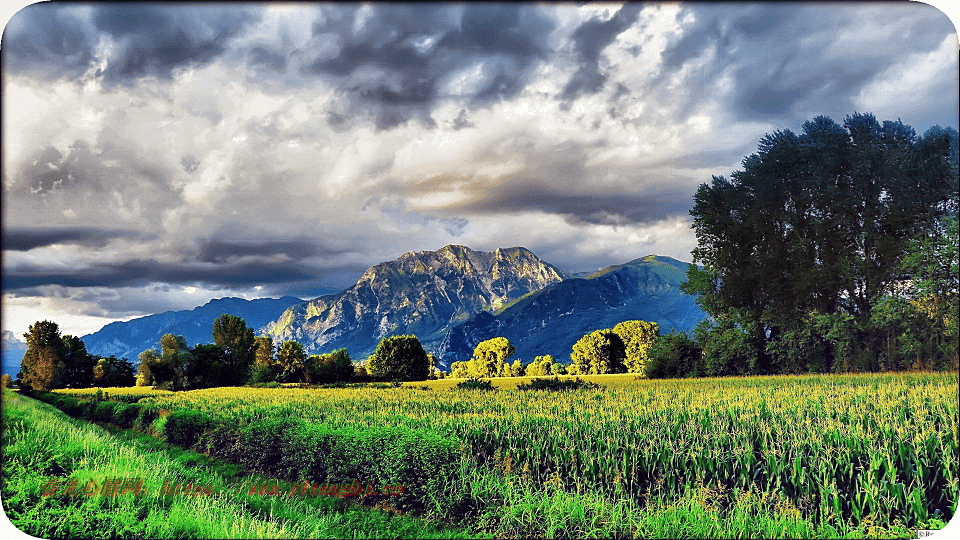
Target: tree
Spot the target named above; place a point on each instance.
(461, 370)
(239, 348)
(489, 357)
(672, 356)
(43, 364)
(291, 359)
(328, 368)
(637, 337)
(815, 224)
(265, 367)
(77, 363)
(207, 368)
(399, 358)
(112, 371)
(599, 352)
(517, 369)
(933, 263)
(168, 368)
(541, 365)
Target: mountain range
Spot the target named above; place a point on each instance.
(128, 339)
(13, 349)
(452, 299)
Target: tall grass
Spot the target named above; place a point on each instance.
(40, 443)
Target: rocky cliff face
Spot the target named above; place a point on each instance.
(550, 321)
(422, 293)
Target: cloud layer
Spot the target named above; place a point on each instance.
(159, 155)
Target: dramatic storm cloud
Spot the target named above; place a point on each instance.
(156, 156)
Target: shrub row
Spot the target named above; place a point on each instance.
(427, 465)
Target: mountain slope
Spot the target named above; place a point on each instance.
(422, 293)
(128, 339)
(550, 321)
(13, 349)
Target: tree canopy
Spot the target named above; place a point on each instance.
(801, 245)
(399, 358)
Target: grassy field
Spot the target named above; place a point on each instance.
(787, 456)
(41, 443)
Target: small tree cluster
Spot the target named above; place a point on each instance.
(489, 360)
(55, 361)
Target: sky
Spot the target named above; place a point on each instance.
(157, 156)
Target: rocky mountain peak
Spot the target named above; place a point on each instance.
(421, 292)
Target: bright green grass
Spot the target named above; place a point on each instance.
(39, 443)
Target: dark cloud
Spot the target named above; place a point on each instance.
(259, 56)
(785, 58)
(411, 48)
(219, 251)
(23, 239)
(644, 208)
(589, 39)
(140, 272)
(150, 39)
(46, 39)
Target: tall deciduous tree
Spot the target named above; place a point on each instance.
(42, 367)
(291, 360)
(239, 348)
(489, 357)
(637, 338)
(816, 225)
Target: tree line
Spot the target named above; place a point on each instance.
(53, 360)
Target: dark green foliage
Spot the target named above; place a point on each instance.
(112, 372)
(674, 355)
(146, 414)
(557, 385)
(400, 358)
(261, 374)
(239, 348)
(475, 384)
(125, 414)
(104, 411)
(184, 427)
(207, 367)
(78, 365)
(329, 368)
(816, 225)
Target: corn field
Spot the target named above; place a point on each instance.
(839, 447)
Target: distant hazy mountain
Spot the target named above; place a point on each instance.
(128, 339)
(550, 321)
(13, 349)
(422, 293)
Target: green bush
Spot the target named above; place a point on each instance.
(124, 415)
(555, 384)
(103, 411)
(475, 384)
(146, 414)
(184, 427)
